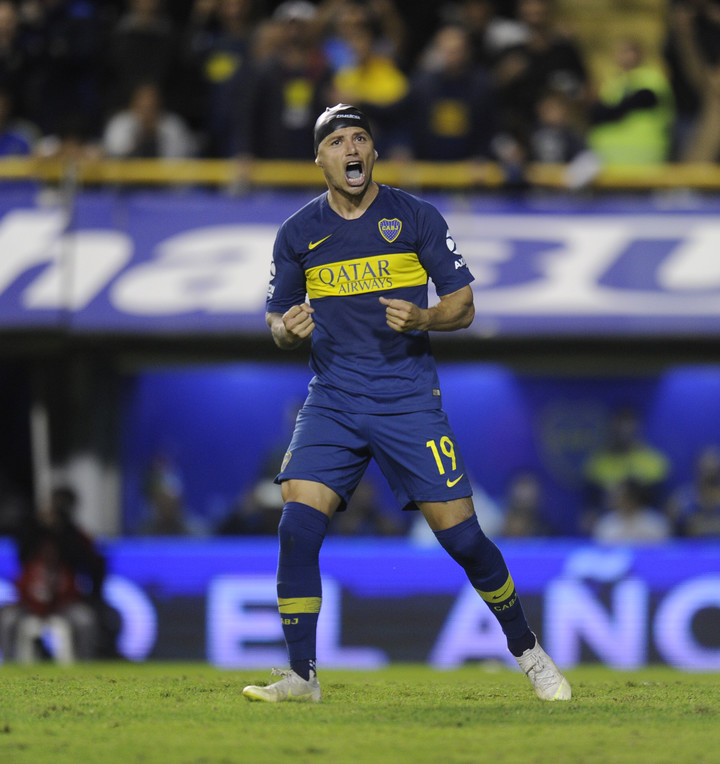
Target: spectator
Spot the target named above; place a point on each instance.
(490, 34)
(144, 48)
(556, 137)
(691, 47)
(629, 519)
(694, 508)
(61, 577)
(450, 105)
(338, 18)
(14, 54)
(145, 130)
(169, 517)
(220, 44)
(693, 51)
(71, 142)
(549, 60)
(14, 505)
(625, 456)
(166, 511)
(633, 116)
(256, 513)
(267, 41)
(67, 43)
(374, 81)
(366, 516)
(290, 87)
(14, 141)
(523, 510)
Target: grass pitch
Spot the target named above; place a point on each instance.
(195, 714)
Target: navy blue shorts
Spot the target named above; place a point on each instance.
(416, 452)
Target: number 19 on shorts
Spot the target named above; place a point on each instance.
(447, 449)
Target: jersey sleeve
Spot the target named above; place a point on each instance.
(438, 253)
(287, 276)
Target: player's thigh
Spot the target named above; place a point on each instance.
(326, 459)
(313, 494)
(419, 457)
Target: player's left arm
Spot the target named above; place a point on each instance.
(454, 311)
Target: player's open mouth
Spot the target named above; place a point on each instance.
(354, 173)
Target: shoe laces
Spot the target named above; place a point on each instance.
(542, 673)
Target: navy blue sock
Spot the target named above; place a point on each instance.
(518, 646)
(486, 569)
(301, 532)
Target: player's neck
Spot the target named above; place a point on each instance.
(351, 206)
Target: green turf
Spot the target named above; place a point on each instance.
(195, 714)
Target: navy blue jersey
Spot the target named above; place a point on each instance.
(343, 267)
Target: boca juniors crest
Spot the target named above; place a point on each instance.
(390, 229)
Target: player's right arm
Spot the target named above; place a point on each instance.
(289, 329)
(288, 314)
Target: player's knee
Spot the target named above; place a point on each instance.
(301, 530)
(443, 515)
(467, 544)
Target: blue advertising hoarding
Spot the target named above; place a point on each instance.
(391, 601)
(188, 261)
(222, 429)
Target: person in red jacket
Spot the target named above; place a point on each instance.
(61, 576)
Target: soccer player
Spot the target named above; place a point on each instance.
(362, 253)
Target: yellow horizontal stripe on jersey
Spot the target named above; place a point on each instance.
(366, 274)
(299, 605)
(501, 594)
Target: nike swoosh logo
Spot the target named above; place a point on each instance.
(314, 244)
(450, 483)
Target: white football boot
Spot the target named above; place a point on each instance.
(291, 687)
(544, 675)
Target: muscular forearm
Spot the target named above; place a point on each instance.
(454, 311)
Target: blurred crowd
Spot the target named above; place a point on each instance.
(500, 80)
(626, 493)
(59, 610)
